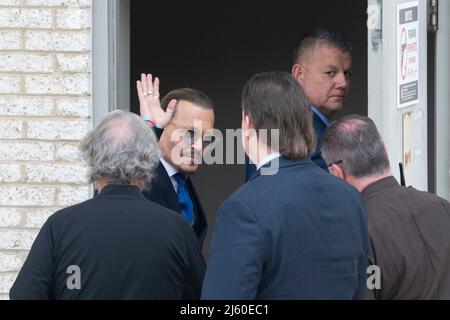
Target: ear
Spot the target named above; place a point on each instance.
(337, 171)
(246, 122)
(247, 127)
(298, 72)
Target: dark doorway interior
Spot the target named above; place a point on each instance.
(216, 46)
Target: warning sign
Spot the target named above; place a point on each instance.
(407, 54)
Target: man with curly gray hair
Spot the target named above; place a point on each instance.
(122, 150)
(117, 245)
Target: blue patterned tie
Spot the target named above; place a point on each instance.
(184, 199)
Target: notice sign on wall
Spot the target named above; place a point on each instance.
(407, 54)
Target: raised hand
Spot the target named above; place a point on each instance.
(150, 106)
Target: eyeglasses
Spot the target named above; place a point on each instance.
(336, 162)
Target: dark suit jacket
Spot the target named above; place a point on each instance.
(162, 192)
(409, 233)
(125, 247)
(319, 129)
(298, 234)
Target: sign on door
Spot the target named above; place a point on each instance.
(407, 54)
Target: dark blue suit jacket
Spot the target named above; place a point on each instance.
(299, 234)
(319, 129)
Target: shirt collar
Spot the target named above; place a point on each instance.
(171, 171)
(118, 190)
(267, 159)
(320, 115)
(377, 186)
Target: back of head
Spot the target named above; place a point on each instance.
(276, 101)
(356, 142)
(121, 149)
(321, 35)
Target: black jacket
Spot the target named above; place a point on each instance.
(162, 192)
(125, 247)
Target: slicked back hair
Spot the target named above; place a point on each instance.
(193, 96)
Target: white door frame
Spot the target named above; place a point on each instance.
(110, 57)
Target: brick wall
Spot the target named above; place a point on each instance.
(44, 112)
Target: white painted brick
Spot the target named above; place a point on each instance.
(77, 107)
(10, 173)
(6, 282)
(26, 106)
(25, 18)
(9, 218)
(35, 219)
(17, 239)
(57, 173)
(10, 129)
(67, 152)
(68, 196)
(26, 62)
(9, 84)
(9, 2)
(73, 18)
(73, 63)
(10, 40)
(57, 3)
(57, 41)
(58, 129)
(15, 151)
(55, 84)
(26, 196)
(10, 262)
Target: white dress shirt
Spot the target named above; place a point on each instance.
(171, 171)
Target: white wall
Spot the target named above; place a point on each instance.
(383, 94)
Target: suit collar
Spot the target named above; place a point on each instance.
(320, 115)
(282, 163)
(171, 171)
(164, 185)
(267, 159)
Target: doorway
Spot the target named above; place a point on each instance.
(217, 46)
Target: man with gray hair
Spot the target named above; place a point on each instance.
(117, 245)
(409, 238)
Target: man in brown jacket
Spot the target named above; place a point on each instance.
(409, 230)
